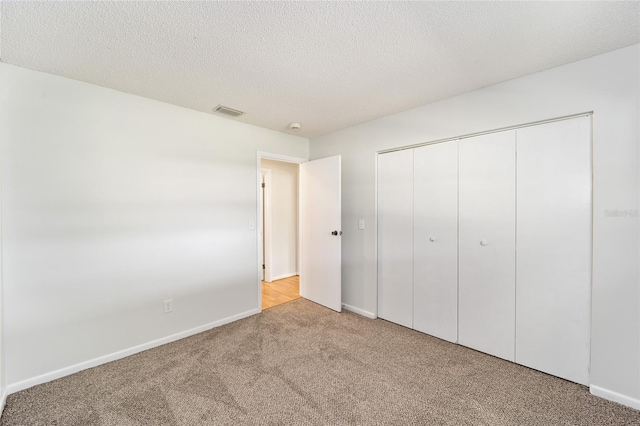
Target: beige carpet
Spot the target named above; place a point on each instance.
(302, 364)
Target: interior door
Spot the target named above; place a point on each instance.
(487, 222)
(320, 278)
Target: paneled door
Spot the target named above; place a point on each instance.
(487, 208)
(553, 281)
(435, 240)
(395, 237)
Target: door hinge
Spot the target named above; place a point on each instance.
(263, 266)
(263, 184)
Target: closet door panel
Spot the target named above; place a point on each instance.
(435, 240)
(553, 280)
(395, 237)
(487, 243)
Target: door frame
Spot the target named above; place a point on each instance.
(260, 155)
(264, 228)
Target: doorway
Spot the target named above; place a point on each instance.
(279, 212)
(317, 229)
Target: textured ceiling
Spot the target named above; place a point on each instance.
(328, 65)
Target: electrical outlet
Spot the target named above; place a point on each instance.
(168, 306)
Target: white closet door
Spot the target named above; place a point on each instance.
(487, 243)
(395, 237)
(435, 240)
(553, 281)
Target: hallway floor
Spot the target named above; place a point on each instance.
(281, 291)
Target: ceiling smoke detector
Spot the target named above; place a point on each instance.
(294, 127)
(221, 109)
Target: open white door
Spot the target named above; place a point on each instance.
(320, 278)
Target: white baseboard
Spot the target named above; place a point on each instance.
(3, 400)
(281, 277)
(359, 311)
(57, 374)
(615, 397)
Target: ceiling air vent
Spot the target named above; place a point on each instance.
(221, 109)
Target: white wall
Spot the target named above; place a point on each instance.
(113, 203)
(609, 86)
(284, 218)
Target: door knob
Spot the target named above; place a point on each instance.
(484, 242)
(432, 239)
(336, 233)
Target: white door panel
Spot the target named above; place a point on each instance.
(320, 279)
(435, 242)
(553, 281)
(395, 237)
(487, 243)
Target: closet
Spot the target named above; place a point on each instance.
(485, 241)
